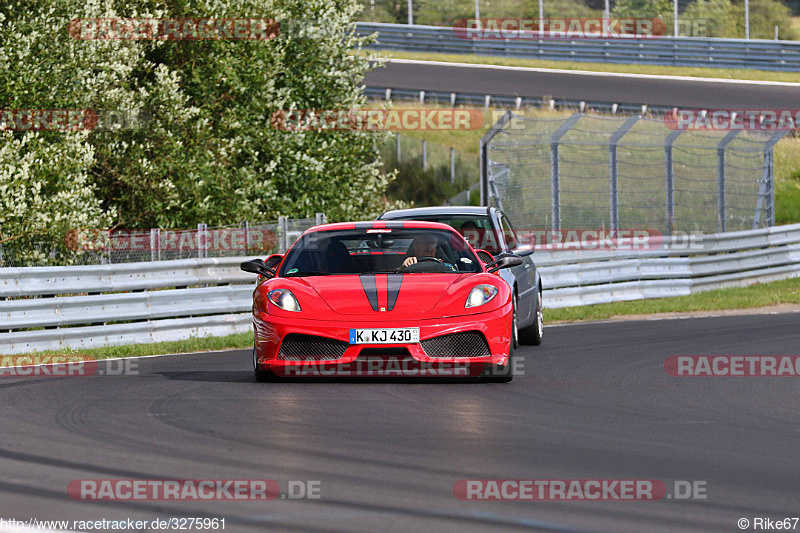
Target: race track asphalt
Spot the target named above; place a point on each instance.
(650, 90)
(595, 403)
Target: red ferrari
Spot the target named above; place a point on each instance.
(411, 292)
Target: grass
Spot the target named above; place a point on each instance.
(194, 344)
(759, 295)
(650, 70)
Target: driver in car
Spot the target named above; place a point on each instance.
(424, 246)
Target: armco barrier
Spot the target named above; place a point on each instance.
(680, 266)
(92, 306)
(85, 306)
(676, 51)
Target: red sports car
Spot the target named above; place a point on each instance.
(348, 298)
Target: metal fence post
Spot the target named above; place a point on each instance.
(721, 179)
(424, 154)
(613, 186)
(152, 244)
(555, 175)
(319, 218)
(202, 240)
(398, 148)
(669, 180)
(452, 166)
(282, 235)
(766, 191)
(484, 154)
(247, 236)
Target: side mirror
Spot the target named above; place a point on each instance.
(257, 266)
(504, 261)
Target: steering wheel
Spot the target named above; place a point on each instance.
(420, 260)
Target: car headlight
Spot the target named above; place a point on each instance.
(284, 299)
(480, 294)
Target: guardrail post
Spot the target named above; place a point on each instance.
(555, 177)
(283, 236)
(484, 154)
(721, 179)
(613, 188)
(669, 180)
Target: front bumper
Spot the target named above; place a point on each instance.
(270, 331)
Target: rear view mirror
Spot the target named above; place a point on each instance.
(504, 261)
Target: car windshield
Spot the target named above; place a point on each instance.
(477, 229)
(364, 251)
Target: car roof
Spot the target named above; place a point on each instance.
(437, 210)
(380, 224)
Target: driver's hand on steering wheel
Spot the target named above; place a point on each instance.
(409, 261)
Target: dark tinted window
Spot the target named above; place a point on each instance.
(375, 250)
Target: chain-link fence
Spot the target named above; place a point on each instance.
(616, 173)
(429, 173)
(96, 247)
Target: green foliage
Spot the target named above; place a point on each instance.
(723, 18)
(415, 185)
(207, 151)
(446, 12)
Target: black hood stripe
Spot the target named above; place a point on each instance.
(370, 288)
(393, 282)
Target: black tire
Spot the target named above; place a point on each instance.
(533, 334)
(262, 376)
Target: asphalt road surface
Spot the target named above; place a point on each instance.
(595, 403)
(650, 90)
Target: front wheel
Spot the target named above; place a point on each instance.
(533, 334)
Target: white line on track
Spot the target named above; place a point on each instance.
(591, 73)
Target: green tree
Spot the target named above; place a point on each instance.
(207, 151)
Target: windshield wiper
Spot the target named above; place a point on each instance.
(304, 274)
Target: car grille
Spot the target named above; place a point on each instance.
(296, 347)
(465, 344)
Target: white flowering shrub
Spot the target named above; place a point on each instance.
(204, 149)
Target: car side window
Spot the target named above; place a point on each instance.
(508, 233)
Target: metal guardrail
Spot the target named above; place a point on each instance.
(674, 51)
(85, 306)
(679, 266)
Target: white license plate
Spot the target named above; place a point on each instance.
(384, 336)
